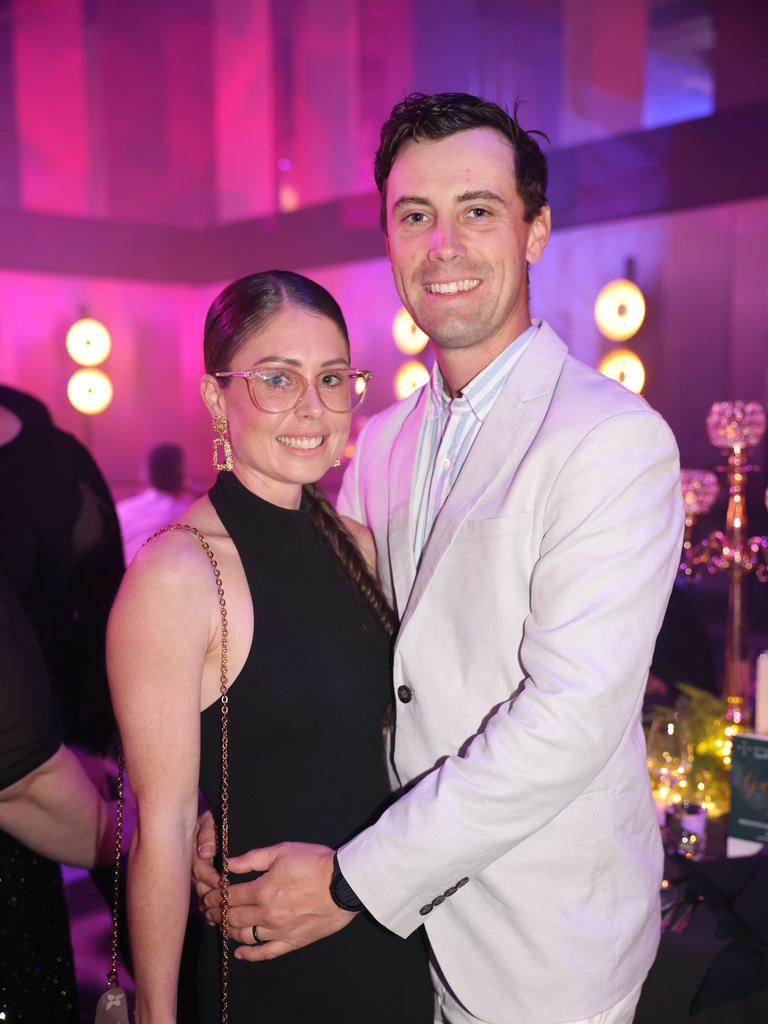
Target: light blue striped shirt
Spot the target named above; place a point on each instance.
(449, 430)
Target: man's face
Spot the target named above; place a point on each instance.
(458, 241)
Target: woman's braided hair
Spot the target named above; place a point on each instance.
(341, 543)
(246, 307)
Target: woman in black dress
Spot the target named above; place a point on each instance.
(309, 683)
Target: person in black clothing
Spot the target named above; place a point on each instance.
(63, 554)
(62, 558)
(26, 407)
(308, 670)
(48, 804)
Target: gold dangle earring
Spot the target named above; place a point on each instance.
(220, 428)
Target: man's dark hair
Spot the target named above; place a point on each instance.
(165, 463)
(442, 114)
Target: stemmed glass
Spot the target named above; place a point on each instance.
(669, 759)
(682, 818)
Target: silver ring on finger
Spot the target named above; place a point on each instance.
(256, 939)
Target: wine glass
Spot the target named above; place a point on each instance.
(669, 756)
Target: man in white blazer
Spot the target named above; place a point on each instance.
(527, 519)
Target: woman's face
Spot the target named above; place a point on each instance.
(275, 453)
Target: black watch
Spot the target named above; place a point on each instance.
(342, 893)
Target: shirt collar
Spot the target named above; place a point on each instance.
(479, 395)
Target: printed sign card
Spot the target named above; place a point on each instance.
(748, 819)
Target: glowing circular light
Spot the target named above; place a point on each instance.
(288, 198)
(625, 367)
(409, 338)
(88, 342)
(619, 310)
(90, 391)
(409, 377)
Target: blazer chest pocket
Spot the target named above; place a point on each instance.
(498, 526)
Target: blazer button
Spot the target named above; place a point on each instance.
(426, 910)
(405, 694)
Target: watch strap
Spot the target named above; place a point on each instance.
(342, 893)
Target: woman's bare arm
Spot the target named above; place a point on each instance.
(160, 629)
(57, 811)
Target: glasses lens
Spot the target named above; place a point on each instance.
(275, 390)
(341, 391)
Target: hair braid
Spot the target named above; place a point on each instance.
(325, 519)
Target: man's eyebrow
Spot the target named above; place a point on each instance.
(482, 196)
(410, 201)
(475, 196)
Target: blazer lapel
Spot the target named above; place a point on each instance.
(401, 526)
(499, 447)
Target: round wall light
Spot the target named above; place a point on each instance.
(624, 366)
(620, 310)
(409, 338)
(89, 391)
(409, 377)
(88, 342)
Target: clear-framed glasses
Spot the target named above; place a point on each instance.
(280, 390)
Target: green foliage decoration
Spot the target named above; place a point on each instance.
(704, 718)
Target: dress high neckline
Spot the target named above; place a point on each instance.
(250, 518)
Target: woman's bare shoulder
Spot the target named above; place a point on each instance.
(174, 557)
(363, 537)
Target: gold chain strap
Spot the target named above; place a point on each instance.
(224, 798)
(112, 978)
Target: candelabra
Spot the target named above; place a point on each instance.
(734, 428)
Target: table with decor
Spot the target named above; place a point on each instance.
(708, 766)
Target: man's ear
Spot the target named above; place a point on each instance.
(213, 396)
(538, 235)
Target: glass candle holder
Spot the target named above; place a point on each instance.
(736, 424)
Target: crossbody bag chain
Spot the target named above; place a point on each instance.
(112, 977)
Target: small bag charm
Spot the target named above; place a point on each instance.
(112, 1008)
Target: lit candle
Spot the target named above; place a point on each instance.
(761, 695)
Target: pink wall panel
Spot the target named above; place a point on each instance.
(325, 99)
(387, 70)
(51, 105)
(155, 111)
(603, 68)
(244, 109)
(155, 364)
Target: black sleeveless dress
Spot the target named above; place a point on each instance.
(306, 763)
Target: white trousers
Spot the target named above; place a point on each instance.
(449, 1011)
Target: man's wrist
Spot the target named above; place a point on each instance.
(342, 893)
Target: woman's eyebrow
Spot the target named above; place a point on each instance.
(289, 361)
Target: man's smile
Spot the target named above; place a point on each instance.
(466, 284)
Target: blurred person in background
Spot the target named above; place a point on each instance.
(167, 496)
(63, 560)
(50, 811)
(63, 555)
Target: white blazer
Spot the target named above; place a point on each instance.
(526, 840)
